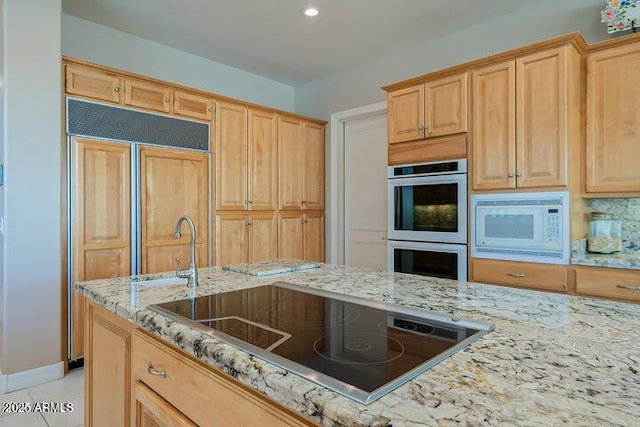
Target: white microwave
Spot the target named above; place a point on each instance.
(521, 226)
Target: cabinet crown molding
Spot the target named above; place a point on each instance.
(574, 39)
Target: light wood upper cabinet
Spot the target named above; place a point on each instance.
(231, 156)
(613, 120)
(246, 161)
(262, 168)
(138, 93)
(190, 105)
(93, 84)
(300, 164)
(525, 119)
(172, 183)
(101, 227)
(313, 172)
(494, 126)
(433, 109)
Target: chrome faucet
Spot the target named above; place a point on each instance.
(192, 273)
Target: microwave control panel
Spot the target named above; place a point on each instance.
(553, 227)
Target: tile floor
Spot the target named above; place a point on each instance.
(69, 389)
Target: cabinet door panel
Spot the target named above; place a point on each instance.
(263, 161)
(172, 183)
(107, 368)
(613, 120)
(542, 130)
(190, 105)
(313, 167)
(231, 157)
(446, 106)
(290, 244)
(263, 236)
(231, 237)
(101, 225)
(494, 135)
(93, 84)
(290, 163)
(152, 410)
(406, 114)
(147, 95)
(314, 236)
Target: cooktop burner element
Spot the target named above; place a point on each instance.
(360, 348)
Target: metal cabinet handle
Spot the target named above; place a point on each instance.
(518, 174)
(250, 202)
(152, 371)
(210, 109)
(516, 274)
(167, 100)
(510, 175)
(629, 287)
(116, 89)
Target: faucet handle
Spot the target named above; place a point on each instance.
(178, 264)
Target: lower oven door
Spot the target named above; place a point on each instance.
(448, 261)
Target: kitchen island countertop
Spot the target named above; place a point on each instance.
(551, 360)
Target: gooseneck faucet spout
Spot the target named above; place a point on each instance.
(190, 274)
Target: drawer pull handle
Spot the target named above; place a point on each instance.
(152, 371)
(630, 287)
(516, 274)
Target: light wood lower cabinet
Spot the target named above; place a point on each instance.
(107, 368)
(608, 282)
(133, 379)
(203, 395)
(152, 410)
(549, 277)
(245, 236)
(301, 235)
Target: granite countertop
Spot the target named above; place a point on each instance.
(629, 260)
(551, 360)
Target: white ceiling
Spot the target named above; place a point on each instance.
(272, 38)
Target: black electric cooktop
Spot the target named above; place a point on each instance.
(360, 348)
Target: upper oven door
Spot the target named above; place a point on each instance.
(428, 208)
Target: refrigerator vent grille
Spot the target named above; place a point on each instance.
(122, 124)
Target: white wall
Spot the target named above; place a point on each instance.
(103, 45)
(31, 321)
(360, 85)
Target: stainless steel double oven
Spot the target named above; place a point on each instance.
(428, 219)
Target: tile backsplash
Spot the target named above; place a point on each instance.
(628, 211)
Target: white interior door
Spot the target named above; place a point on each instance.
(365, 192)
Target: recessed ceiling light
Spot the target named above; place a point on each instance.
(311, 11)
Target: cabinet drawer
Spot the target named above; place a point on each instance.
(608, 282)
(205, 396)
(550, 277)
(147, 95)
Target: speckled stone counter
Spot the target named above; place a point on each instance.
(617, 260)
(551, 360)
(629, 259)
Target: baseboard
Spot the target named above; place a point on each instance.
(20, 380)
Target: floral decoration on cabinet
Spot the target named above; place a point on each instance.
(621, 15)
